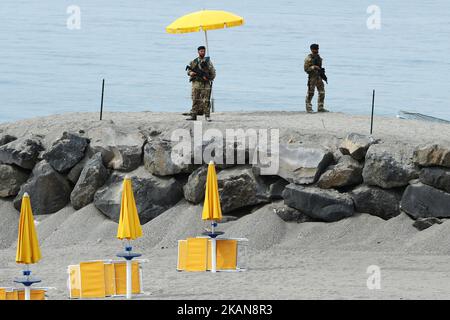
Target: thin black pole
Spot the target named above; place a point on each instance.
(101, 106)
(373, 106)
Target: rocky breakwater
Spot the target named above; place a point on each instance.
(314, 181)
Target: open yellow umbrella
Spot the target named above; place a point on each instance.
(28, 251)
(211, 209)
(205, 20)
(129, 228)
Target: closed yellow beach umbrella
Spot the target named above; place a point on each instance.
(211, 209)
(211, 206)
(28, 251)
(129, 224)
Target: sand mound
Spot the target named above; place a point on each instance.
(51, 223)
(263, 228)
(9, 221)
(179, 222)
(360, 232)
(434, 240)
(85, 225)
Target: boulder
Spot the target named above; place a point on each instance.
(66, 152)
(422, 201)
(121, 148)
(162, 160)
(239, 187)
(289, 214)
(299, 164)
(194, 189)
(75, 172)
(436, 177)
(271, 187)
(153, 194)
(356, 145)
(324, 205)
(11, 178)
(389, 166)
(347, 172)
(424, 223)
(6, 138)
(376, 201)
(432, 155)
(49, 190)
(92, 177)
(22, 152)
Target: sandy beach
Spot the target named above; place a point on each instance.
(286, 260)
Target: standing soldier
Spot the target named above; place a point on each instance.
(201, 73)
(316, 75)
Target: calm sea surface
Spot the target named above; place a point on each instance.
(46, 68)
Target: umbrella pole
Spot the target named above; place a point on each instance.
(27, 287)
(213, 251)
(129, 271)
(211, 98)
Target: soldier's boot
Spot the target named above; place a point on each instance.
(208, 118)
(193, 116)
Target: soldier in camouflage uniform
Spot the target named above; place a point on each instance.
(201, 85)
(313, 64)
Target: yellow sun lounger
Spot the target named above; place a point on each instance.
(19, 294)
(100, 279)
(194, 254)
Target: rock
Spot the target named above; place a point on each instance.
(289, 214)
(347, 172)
(424, 223)
(356, 145)
(22, 152)
(194, 189)
(161, 160)
(153, 194)
(389, 166)
(422, 201)
(121, 148)
(11, 178)
(376, 201)
(436, 177)
(66, 152)
(49, 191)
(271, 187)
(432, 155)
(92, 177)
(6, 138)
(239, 187)
(299, 164)
(324, 205)
(75, 172)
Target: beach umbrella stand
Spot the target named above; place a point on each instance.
(27, 280)
(213, 235)
(128, 255)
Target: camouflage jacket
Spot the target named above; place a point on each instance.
(310, 61)
(209, 67)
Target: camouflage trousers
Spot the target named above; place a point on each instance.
(201, 92)
(313, 83)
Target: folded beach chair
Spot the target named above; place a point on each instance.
(100, 279)
(19, 294)
(194, 254)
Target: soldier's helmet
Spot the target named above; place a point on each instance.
(314, 46)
